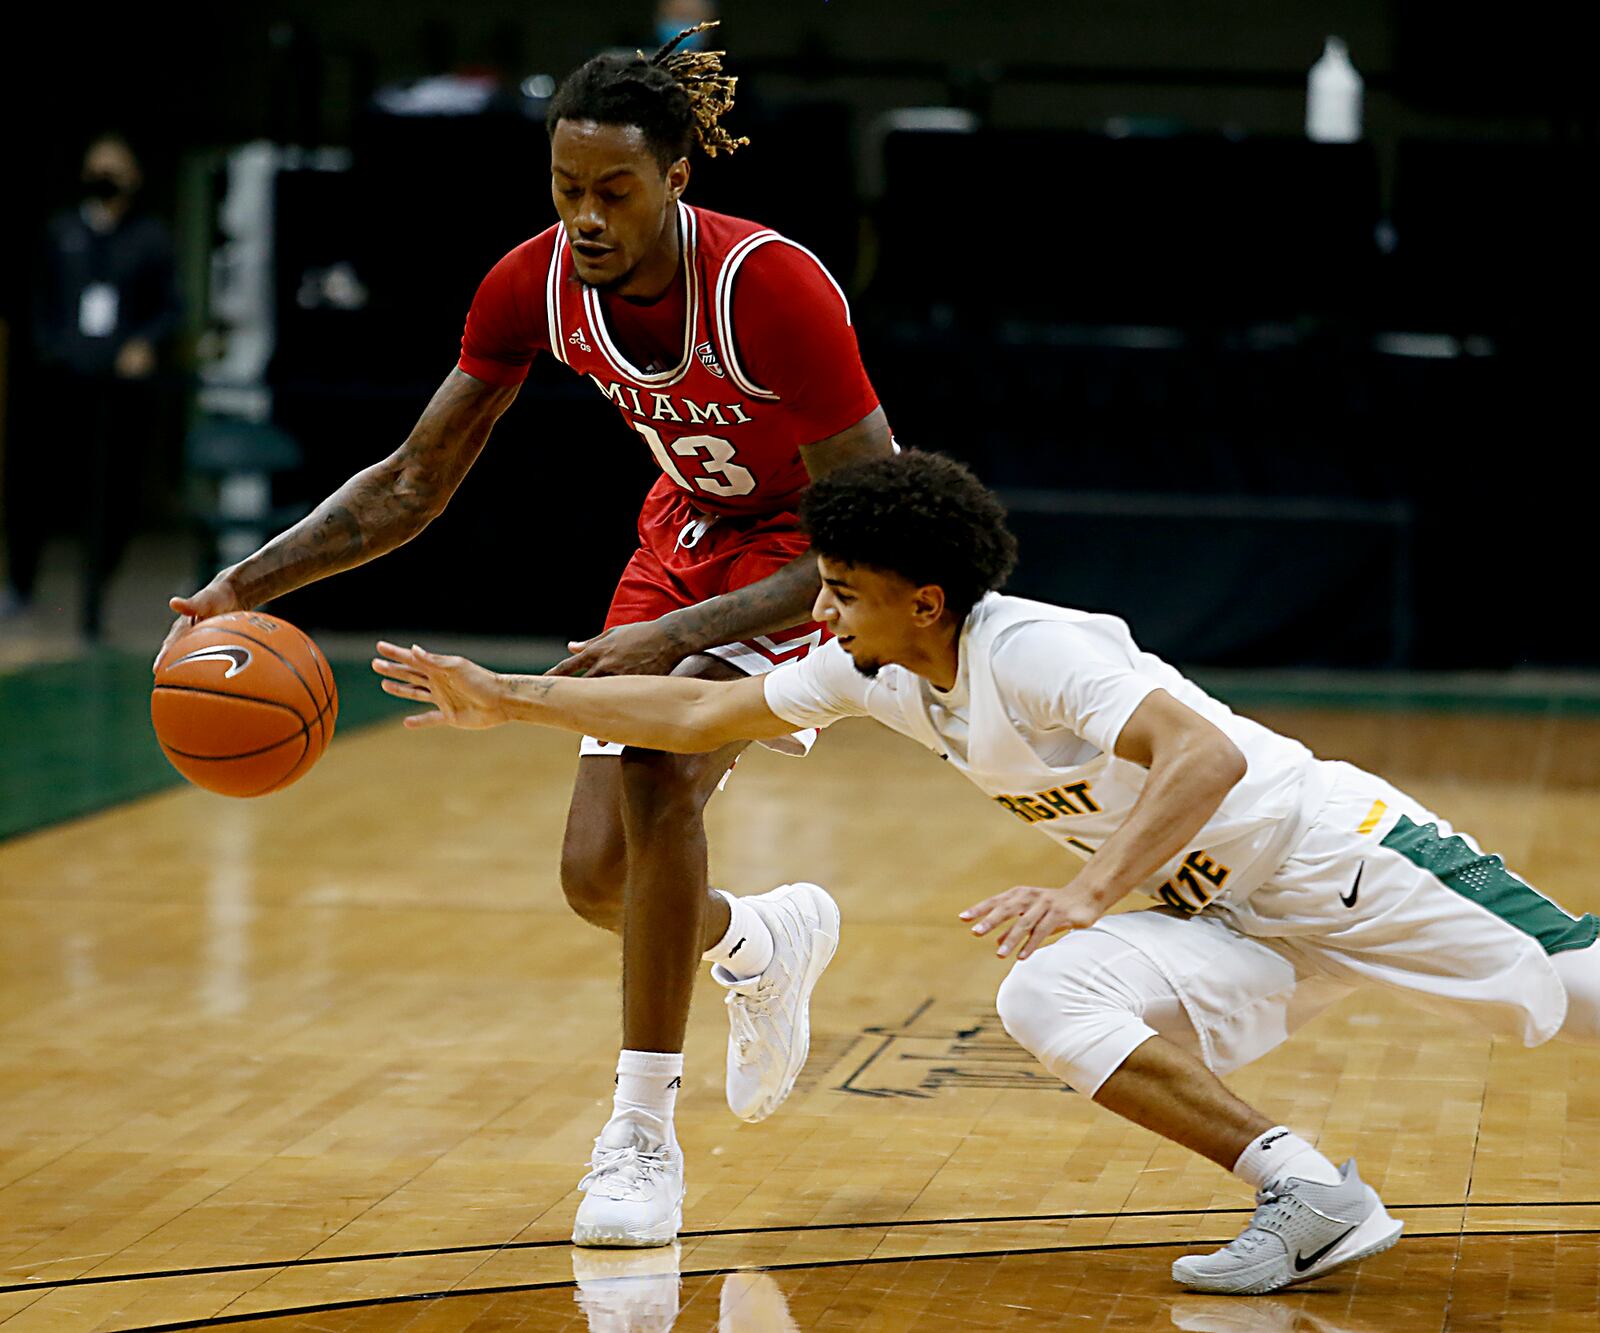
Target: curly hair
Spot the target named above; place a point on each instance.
(920, 515)
(676, 98)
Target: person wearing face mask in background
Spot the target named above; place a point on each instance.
(105, 305)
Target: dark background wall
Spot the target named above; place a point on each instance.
(1277, 402)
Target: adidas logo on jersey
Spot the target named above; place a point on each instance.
(576, 338)
(708, 359)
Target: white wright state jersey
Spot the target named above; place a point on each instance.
(1041, 696)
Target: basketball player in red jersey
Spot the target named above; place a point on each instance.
(729, 352)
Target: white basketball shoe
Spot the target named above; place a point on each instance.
(633, 1194)
(769, 1016)
(1299, 1231)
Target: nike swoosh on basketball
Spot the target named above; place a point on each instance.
(1304, 1261)
(238, 657)
(1350, 900)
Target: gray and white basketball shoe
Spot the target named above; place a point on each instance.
(769, 1016)
(1300, 1230)
(633, 1194)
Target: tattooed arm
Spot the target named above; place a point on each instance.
(782, 599)
(378, 509)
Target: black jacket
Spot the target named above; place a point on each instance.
(135, 261)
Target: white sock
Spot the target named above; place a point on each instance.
(648, 1081)
(746, 949)
(1279, 1154)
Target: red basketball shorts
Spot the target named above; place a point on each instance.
(686, 556)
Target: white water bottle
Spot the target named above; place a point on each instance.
(1333, 97)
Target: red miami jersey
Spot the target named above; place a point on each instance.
(749, 355)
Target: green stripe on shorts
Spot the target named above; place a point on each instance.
(1486, 881)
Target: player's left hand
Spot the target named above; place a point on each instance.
(645, 649)
(1039, 914)
(463, 694)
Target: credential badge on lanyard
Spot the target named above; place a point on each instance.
(97, 310)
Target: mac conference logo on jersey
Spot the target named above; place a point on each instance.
(708, 359)
(237, 657)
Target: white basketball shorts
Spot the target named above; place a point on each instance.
(1378, 892)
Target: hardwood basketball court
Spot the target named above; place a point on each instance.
(334, 1059)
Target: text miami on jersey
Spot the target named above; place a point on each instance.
(735, 453)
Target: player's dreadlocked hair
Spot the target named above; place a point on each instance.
(676, 98)
(920, 515)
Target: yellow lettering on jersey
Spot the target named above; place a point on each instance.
(1081, 791)
(1195, 884)
(1053, 804)
(1058, 801)
(1010, 803)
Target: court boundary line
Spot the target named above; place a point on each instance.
(217, 1321)
(316, 1261)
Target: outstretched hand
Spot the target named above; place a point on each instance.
(462, 693)
(645, 649)
(1039, 912)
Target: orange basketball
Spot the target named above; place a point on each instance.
(243, 704)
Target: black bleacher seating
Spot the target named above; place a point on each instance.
(1062, 227)
(796, 175)
(1491, 237)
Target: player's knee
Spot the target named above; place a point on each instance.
(1062, 1006)
(1028, 1007)
(592, 881)
(1046, 995)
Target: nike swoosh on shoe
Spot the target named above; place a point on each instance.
(1305, 1261)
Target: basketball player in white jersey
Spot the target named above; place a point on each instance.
(1284, 883)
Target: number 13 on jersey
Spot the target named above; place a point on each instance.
(727, 478)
